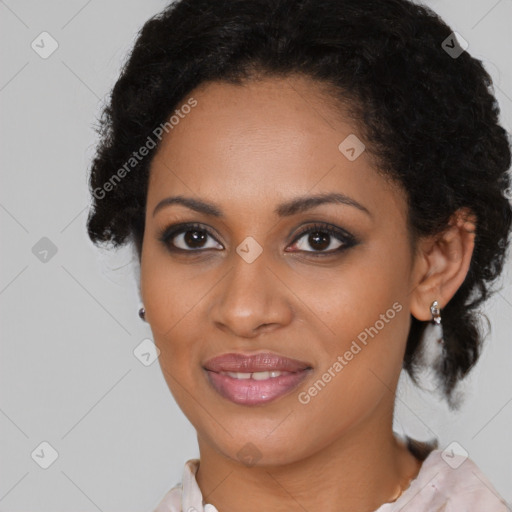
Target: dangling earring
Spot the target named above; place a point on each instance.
(142, 313)
(436, 320)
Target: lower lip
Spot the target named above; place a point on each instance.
(255, 392)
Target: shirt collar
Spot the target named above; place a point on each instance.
(192, 498)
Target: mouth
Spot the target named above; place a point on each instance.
(255, 379)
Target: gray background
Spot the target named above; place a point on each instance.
(69, 325)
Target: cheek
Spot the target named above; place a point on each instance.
(166, 298)
(172, 297)
(170, 308)
(362, 307)
(369, 286)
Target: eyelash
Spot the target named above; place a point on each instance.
(167, 234)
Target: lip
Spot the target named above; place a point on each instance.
(250, 391)
(261, 362)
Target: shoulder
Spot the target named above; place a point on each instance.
(448, 482)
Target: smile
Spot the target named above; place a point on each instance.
(255, 388)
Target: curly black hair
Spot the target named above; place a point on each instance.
(425, 106)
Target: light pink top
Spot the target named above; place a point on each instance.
(438, 487)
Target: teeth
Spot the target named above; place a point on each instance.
(255, 375)
(236, 375)
(260, 375)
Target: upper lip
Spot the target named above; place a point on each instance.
(261, 362)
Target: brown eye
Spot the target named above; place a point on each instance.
(195, 239)
(324, 239)
(318, 240)
(188, 238)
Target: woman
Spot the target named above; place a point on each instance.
(316, 191)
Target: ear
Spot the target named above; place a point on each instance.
(442, 263)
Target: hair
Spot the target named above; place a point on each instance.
(429, 118)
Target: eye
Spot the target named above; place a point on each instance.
(192, 237)
(320, 237)
(187, 237)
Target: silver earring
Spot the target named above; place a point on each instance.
(142, 313)
(436, 320)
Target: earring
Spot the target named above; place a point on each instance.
(436, 320)
(142, 313)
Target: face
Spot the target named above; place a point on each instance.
(323, 283)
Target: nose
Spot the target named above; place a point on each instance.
(252, 298)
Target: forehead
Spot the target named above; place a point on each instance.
(260, 142)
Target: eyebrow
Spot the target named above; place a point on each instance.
(292, 207)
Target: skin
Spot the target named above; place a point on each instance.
(247, 149)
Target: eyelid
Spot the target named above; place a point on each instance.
(326, 227)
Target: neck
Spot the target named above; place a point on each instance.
(357, 472)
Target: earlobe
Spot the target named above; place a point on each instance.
(442, 263)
